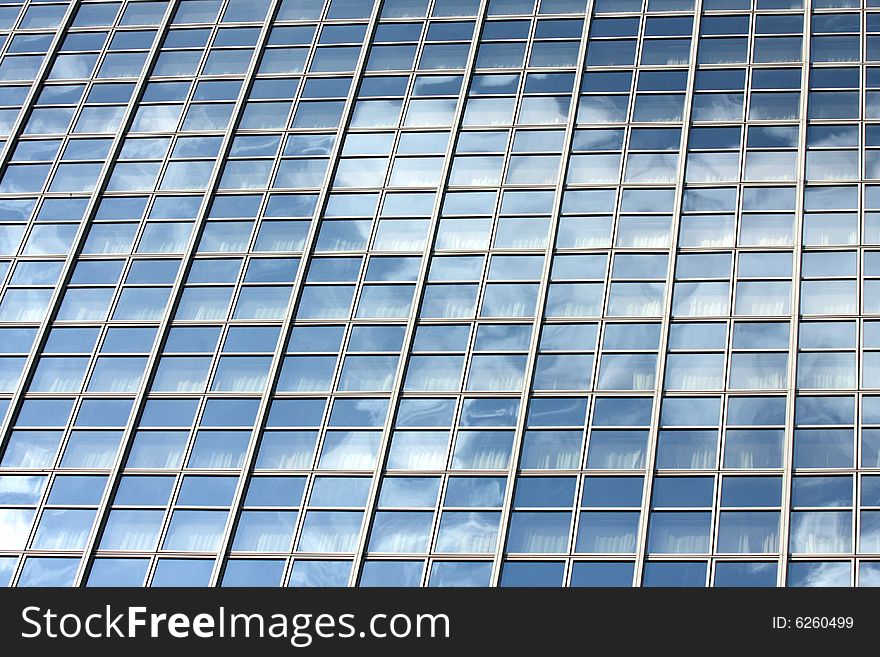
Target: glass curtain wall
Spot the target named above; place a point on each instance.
(440, 293)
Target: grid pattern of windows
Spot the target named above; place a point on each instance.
(440, 293)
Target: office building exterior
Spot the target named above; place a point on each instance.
(440, 293)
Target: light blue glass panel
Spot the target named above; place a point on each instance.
(265, 531)
(330, 531)
(182, 572)
(48, 571)
(400, 531)
(195, 531)
(607, 531)
(349, 450)
(118, 572)
(16, 524)
(821, 532)
(539, 532)
(460, 574)
(131, 529)
(63, 529)
(679, 532)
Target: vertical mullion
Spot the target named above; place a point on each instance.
(177, 287)
(797, 256)
(287, 324)
(39, 80)
(666, 320)
(412, 321)
(542, 297)
(84, 225)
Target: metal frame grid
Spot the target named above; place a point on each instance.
(498, 521)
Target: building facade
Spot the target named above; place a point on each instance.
(440, 293)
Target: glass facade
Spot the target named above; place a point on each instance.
(440, 293)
